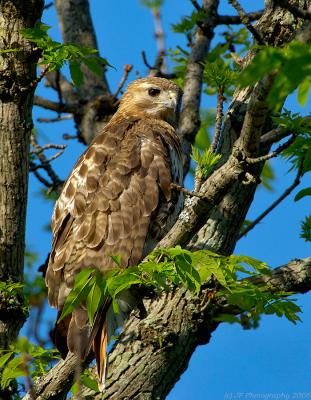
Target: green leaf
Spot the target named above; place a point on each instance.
(306, 229)
(76, 73)
(79, 292)
(303, 91)
(93, 300)
(5, 358)
(12, 371)
(94, 64)
(90, 383)
(303, 193)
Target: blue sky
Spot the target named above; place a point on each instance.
(273, 359)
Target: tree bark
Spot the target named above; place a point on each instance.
(150, 352)
(17, 71)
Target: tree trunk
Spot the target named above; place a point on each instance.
(17, 71)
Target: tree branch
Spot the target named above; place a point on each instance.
(53, 106)
(246, 21)
(236, 19)
(189, 117)
(191, 316)
(273, 205)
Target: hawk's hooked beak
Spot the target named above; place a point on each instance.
(172, 102)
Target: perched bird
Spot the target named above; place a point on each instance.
(117, 200)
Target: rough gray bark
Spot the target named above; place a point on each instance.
(148, 365)
(167, 338)
(17, 70)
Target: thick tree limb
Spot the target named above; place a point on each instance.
(189, 117)
(193, 324)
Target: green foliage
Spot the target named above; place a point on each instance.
(166, 268)
(180, 59)
(281, 61)
(306, 229)
(55, 55)
(219, 75)
(10, 288)
(205, 160)
(25, 359)
(189, 23)
(88, 381)
(267, 176)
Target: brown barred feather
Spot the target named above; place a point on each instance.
(117, 200)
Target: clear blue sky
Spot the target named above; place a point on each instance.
(276, 357)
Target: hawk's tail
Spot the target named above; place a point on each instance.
(100, 349)
(105, 325)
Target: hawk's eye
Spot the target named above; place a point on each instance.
(154, 92)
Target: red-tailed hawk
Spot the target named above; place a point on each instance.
(116, 201)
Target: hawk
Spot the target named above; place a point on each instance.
(117, 200)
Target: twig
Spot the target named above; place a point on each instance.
(219, 117)
(273, 154)
(47, 6)
(236, 19)
(143, 53)
(52, 105)
(274, 204)
(196, 5)
(48, 147)
(67, 136)
(246, 21)
(32, 85)
(50, 120)
(186, 191)
(40, 178)
(45, 164)
(126, 70)
(296, 11)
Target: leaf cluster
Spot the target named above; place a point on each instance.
(168, 268)
(280, 61)
(55, 55)
(25, 359)
(205, 160)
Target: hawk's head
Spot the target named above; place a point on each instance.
(152, 97)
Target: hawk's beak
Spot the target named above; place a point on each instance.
(172, 100)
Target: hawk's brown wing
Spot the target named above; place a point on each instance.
(113, 194)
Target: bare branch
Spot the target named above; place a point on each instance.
(57, 81)
(45, 164)
(58, 119)
(236, 19)
(196, 5)
(53, 106)
(187, 192)
(189, 117)
(246, 21)
(126, 70)
(219, 117)
(273, 154)
(273, 205)
(36, 81)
